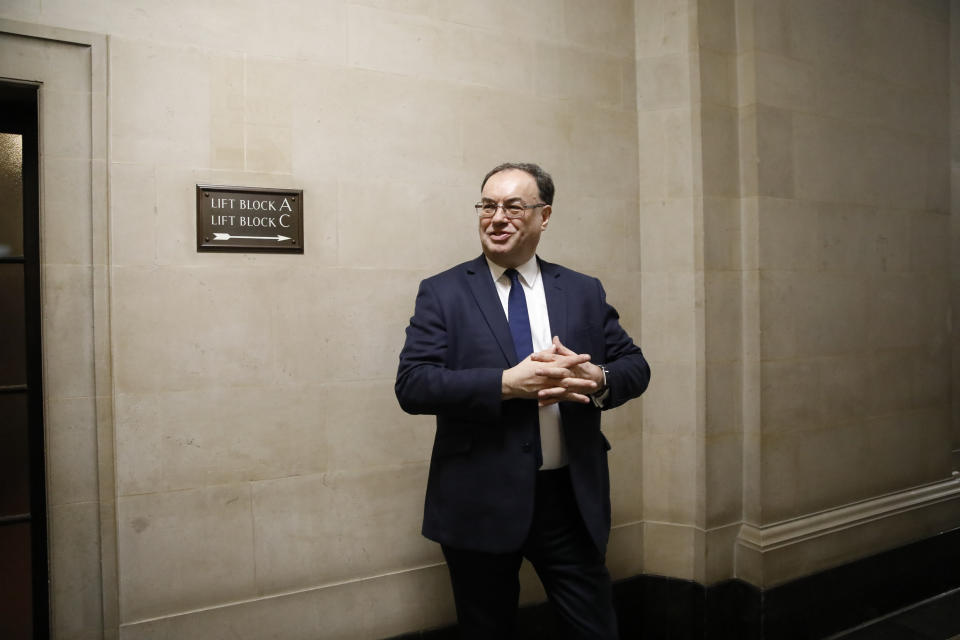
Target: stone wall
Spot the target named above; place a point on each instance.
(264, 474)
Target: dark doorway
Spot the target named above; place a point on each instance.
(24, 592)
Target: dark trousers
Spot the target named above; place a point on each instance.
(486, 586)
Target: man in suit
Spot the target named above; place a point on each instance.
(517, 357)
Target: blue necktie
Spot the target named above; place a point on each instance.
(519, 322)
(517, 316)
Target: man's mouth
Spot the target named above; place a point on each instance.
(499, 237)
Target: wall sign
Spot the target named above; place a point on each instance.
(245, 219)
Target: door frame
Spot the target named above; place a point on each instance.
(81, 531)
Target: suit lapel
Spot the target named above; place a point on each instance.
(485, 293)
(556, 299)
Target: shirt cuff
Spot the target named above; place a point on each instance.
(598, 398)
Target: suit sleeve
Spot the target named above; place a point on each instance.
(426, 384)
(629, 373)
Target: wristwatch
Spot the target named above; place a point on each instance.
(600, 396)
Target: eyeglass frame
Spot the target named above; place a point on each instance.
(480, 206)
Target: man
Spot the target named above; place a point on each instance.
(516, 357)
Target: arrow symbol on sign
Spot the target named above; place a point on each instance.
(227, 236)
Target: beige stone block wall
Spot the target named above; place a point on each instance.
(795, 219)
(846, 197)
(264, 475)
(795, 243)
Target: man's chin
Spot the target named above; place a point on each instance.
(505, 259)
(494, 249)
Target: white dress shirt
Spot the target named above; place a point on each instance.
(551, 435)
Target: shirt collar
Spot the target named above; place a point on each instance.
(528, 271)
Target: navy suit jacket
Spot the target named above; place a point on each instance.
(480, 489)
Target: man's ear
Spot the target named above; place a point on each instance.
(545, 215)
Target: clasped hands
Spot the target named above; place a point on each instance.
(553, 375)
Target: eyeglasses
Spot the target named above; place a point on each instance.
(515, 210)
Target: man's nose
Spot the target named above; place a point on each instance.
(500, 213)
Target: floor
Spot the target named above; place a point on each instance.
(934, 619)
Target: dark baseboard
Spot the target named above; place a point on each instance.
(831, 601)
(809, 608)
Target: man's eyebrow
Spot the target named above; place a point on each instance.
(510, 199)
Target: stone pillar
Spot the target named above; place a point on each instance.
(671, 214)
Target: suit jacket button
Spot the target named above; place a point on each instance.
(526, 446)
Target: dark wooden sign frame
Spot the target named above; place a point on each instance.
(249, 219)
